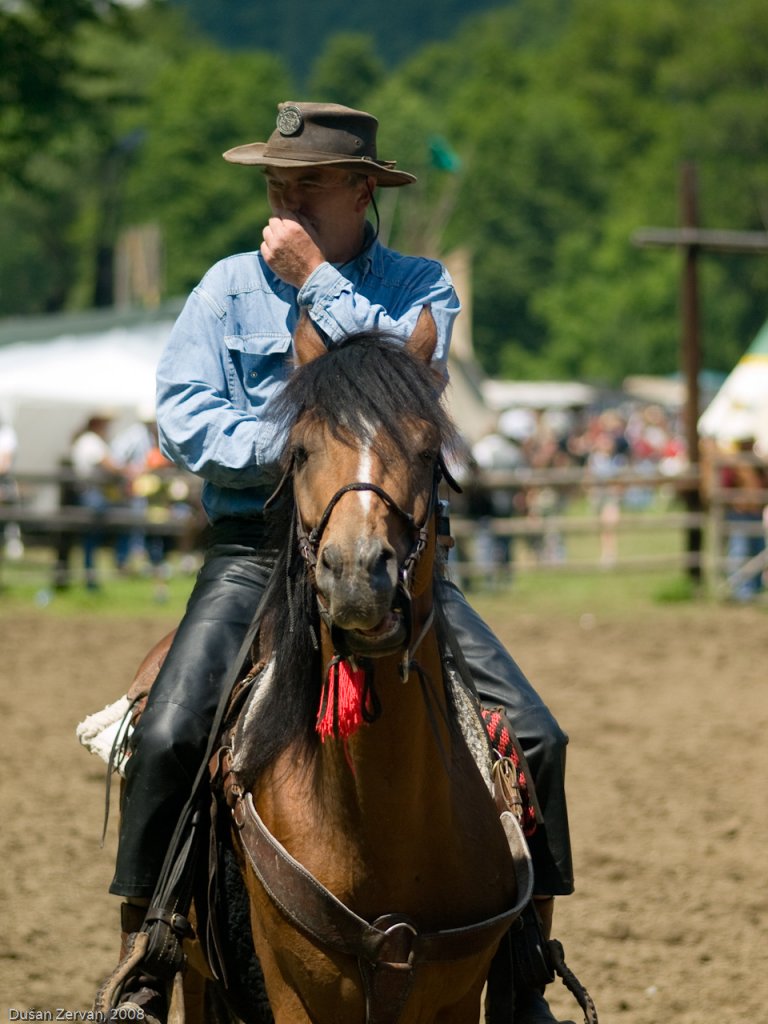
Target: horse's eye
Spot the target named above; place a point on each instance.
(428, 456)
(299, 455)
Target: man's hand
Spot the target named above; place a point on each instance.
(289, 249)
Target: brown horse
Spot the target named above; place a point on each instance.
(379, 872)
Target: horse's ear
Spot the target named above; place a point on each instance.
(307, 343)
(423, 342)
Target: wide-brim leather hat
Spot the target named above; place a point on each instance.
(322, 135)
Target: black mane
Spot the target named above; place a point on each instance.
(367, 383)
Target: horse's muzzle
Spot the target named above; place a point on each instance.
(358, 586)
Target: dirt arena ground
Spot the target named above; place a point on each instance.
(668, 775)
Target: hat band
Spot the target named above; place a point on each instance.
(303, 155)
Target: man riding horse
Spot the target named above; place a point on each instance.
(228, 356)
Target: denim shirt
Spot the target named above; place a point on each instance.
(230, 352)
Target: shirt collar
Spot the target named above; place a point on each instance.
(364, 260)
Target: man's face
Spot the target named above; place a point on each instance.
(328, 202)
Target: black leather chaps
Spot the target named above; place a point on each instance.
(171, 737)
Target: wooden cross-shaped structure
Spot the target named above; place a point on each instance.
(692, 240)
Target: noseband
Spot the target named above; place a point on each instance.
(309, 543)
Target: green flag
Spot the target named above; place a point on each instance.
(443, 157)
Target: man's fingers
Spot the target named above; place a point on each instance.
(280, 213)
(292, 226)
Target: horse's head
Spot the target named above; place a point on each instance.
(365, 449)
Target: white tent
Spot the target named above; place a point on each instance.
(739, 410)
(49, 386)
(116, 368)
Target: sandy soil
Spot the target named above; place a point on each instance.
(668, 775)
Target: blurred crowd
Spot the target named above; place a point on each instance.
(591, 449)
(122, 469)
(114, 469)
(741, 468)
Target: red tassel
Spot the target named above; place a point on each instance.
(341, 703)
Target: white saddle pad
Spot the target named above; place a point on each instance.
(108, 730)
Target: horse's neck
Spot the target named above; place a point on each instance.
(372, 816)
(400, 792)
(410, 743)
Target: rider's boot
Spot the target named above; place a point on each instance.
(521, 969)
(143, 994)
(530, 1005)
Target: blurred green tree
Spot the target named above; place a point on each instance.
(347, 70)
(543, 134)
(198, 107)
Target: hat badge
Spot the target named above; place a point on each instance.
(289, 120)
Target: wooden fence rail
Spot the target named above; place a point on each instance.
(76, 520)
(669, 512)
(42, 504)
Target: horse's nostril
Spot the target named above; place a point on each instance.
(332, 559)
(377, 558)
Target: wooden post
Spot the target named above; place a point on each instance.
(690, 356)
(692, 240)
(690, 340)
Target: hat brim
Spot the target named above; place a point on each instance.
(255, 155)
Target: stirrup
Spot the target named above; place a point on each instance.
(531, 962)
(107, 1003)
(166, 931)
(108, 996)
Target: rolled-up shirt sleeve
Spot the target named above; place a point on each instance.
(339, 308)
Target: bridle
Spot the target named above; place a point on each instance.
(309, 545)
